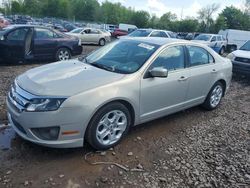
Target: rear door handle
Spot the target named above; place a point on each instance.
(183, 78)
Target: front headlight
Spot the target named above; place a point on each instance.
(44, 104)
(231, 56)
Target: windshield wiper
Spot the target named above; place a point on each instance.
(105, 67)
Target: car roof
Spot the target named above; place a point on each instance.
(155, 40)
(27, 26)
(149, 29)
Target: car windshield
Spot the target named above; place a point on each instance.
(203, 37)
(246, 46)
(122, 56)
(140, 33)
(78, 30)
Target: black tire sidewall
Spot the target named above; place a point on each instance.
(90, 135)
(103, 41)
(207, 104)
(62, 49)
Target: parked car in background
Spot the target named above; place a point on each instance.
(91, 36)
(69, 27)
(118, 33)
(59, 28)
(126, 83)
(150, 33)
(20, 43)
(191, 36)
(235, 38)
(217, 42)
(4, 23)
(127, 27)
(241, 59)
(109, 27)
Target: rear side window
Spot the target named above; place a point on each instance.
(171, 58)
(156, 34)
(218, 38)
(199, 56)
(18, 34)
(42, 33)
(163, 34)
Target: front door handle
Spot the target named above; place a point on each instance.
(183, 78)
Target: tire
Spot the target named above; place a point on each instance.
(222, 50)
(214, 96)
(102, 42)
(103, 130)
(63, 54)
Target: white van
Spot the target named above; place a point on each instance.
(235, 38)
(127, 27)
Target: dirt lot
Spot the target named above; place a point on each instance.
(193, 148)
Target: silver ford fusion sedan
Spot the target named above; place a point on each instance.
(126, 83)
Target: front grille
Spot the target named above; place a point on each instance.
(242, 59)
(18, 126)
(17, 99)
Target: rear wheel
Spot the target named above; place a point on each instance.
(102, 42)
(214, 96)
(63, 54)
(108, 126)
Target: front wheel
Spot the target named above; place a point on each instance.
(108, 126)
(102, 42)
(214, 96)
(63, 54)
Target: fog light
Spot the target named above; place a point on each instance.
(48, 133)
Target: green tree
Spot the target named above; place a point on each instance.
(235, 18)
(16, 7)
(140, 19)
(206, 16)
(166, 20)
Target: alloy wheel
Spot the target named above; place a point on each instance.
(111, 127)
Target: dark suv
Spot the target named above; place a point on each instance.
(20, 43)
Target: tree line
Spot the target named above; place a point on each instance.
(115, 13)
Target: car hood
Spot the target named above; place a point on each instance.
(242, 53)
(65, 78)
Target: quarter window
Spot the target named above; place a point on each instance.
(156, 34)
(199, 56)
(172, 58)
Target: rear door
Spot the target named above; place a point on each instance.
(45, 43)
(14, 44)
(202, 69)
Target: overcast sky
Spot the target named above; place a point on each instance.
(179, 7)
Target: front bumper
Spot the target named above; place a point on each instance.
(241, 68)
(65, 118)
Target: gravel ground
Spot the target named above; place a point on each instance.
(193, 148)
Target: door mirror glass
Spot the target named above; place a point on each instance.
(159, 72)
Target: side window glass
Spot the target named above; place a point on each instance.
(172, 58)
(155, 34)
(43, 34)
(163, 34)
(211, 58)
(198, 56)
(213, 39)
(18, 34)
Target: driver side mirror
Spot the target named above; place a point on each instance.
(213, 40)
(159, 72)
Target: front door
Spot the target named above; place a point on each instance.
(162, 96)
(14, 44)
